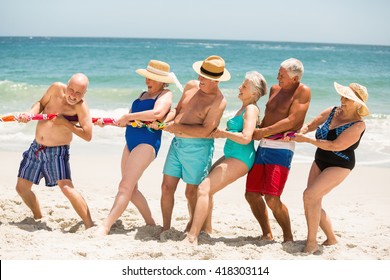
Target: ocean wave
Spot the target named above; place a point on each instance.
(12, 86)
(374, 147)
(4, 84)
(380, 116)
(203, 44)
(290, 46)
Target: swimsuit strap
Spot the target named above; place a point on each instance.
(150, 98)
(340, 129)
(142, 94)
(158, 95)
(323, 129)
(330, 117)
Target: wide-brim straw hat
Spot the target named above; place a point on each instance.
(355, 92)
(157, 71)
(212, 68)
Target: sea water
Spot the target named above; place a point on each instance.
(28, 65)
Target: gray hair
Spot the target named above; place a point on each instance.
(258, 82)
(294, 67)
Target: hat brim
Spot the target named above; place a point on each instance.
(225, 76)
(159, 78)
(347, 92)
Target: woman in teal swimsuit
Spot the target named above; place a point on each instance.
(239, 152)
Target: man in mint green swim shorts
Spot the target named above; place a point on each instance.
(189, 159)
(197, 114)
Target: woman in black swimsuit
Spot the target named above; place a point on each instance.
(338, 133)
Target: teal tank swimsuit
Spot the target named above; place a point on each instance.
(245, 153)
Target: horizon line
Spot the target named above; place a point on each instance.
(192, 39)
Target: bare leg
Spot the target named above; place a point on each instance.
(259, 210)
(137, 198)
(140, 202)
(132, 169)
(77, 201)
(23, 187)
(312, 212)
(281, 215)
(168, 189)
(320, 184)
(191, 191)
(222, 175)
(208, 226)
(326, 226)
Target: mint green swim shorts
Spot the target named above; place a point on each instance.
(189, 159)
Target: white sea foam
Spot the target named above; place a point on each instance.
(374, 147)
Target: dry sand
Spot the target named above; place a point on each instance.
(359, 209)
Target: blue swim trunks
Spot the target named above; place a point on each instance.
(41, 161)
(189, 159)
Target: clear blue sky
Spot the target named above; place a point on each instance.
(328, 21)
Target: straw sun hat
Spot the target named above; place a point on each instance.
(357, 93)
(212, 68)
(157, 71)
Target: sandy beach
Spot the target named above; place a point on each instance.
(358, 208)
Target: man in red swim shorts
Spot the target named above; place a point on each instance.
(285, 111)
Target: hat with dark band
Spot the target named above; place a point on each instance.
(212, 68)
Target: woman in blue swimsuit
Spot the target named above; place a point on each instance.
(142, 144)
(239, 152)
(338, 133)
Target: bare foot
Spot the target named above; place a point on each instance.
(311, 248)
(287, 238)
(208, 230)
(37, 217)
(329, 242)
(267, 237)
(100, 231)
(89, 225)
(191, 240)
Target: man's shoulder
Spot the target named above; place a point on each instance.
(275, 87)
(220, 99)
(303, 89)
(57, 87)
(303, 86)
(191, 84)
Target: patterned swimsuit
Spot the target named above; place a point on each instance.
(345, 158)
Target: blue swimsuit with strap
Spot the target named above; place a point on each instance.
(134, 135)
(245, 153)
(345, 158)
